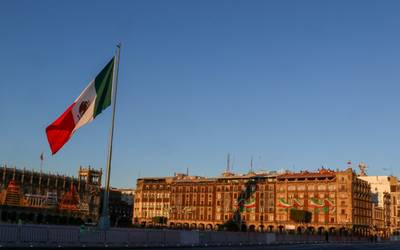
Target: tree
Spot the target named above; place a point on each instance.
(160, 220)
(230, 225)
(300, 216)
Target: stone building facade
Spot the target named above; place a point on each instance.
(152, 199)
(37, 197)
(395, 205)
(338, 201)
(381, 216)
(387, 192)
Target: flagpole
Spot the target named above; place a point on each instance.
(104, 222)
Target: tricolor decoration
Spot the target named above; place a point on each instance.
(282, 203)
(331, 204)
(250, 204)
(297, 202)
(313, 202)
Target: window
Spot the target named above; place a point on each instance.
(301, 188)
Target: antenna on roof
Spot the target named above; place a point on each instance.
(228, 162)
(233, 162)
(251, 164)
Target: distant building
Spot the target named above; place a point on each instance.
(121, 207)
(381, 216)
(387, 193)
(37, 197)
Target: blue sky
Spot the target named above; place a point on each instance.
(295, 84)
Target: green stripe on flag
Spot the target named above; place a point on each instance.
(103, 85)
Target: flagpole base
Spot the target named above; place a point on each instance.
(104, 223)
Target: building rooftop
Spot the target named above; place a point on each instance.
(323, 172)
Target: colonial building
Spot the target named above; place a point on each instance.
(152, 199)
(31, 196)
(192, 200)
(338, 201)
(250, 196)
(381, 216)
(206, 203)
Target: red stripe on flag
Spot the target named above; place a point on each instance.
(59, 132)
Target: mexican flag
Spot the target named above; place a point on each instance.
(91, 102)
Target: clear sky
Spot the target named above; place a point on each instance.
(295, 84)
